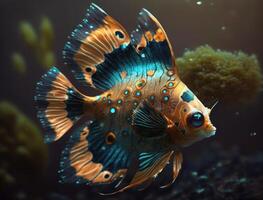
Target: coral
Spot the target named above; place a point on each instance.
(22, 151)
(40, 42)
(28, 33)
(19, 63)
(221, 75)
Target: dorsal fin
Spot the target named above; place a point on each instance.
(149, 54)
(101, 54)
(148, 31)
(97, 35)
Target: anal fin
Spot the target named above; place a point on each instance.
(176, 162)
(92, 158)
(150, 165)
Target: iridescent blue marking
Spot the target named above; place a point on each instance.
(171, 84)
(187, 96)
(113, 110)
(156, 59)
(119, 101)
(152, 97)
(164, 91)
(109, 101)
(123, 46)
(71, 91)
(166, 98)
(85, 21)
(98, 98)
(138, 93)
(126, 92)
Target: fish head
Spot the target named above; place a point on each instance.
(191, 119)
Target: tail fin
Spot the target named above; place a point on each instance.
(59, 104)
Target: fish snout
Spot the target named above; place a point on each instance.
(210, 130)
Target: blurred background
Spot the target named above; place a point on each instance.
(33, 34)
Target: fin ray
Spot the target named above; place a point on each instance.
(148, 121)
(58, 103)
(104, 165)
(88, 44)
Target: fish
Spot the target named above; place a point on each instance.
(142, 116)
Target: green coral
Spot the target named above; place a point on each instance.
(41, 41)
(221, 75)
(28, 33)
(46, 33)
(22, 151)
(19, 63)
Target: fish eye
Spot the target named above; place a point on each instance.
(195, 119)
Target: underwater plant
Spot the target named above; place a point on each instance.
(40, 41)
(221, 75)
(19, 63)
(23, 154)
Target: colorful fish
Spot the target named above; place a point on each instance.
(142, 116)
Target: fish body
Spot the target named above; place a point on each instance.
(144, 113)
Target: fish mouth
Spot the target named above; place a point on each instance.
(209, 132)
(212, 133)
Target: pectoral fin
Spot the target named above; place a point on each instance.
(148, 121)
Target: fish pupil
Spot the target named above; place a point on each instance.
(196, 120)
